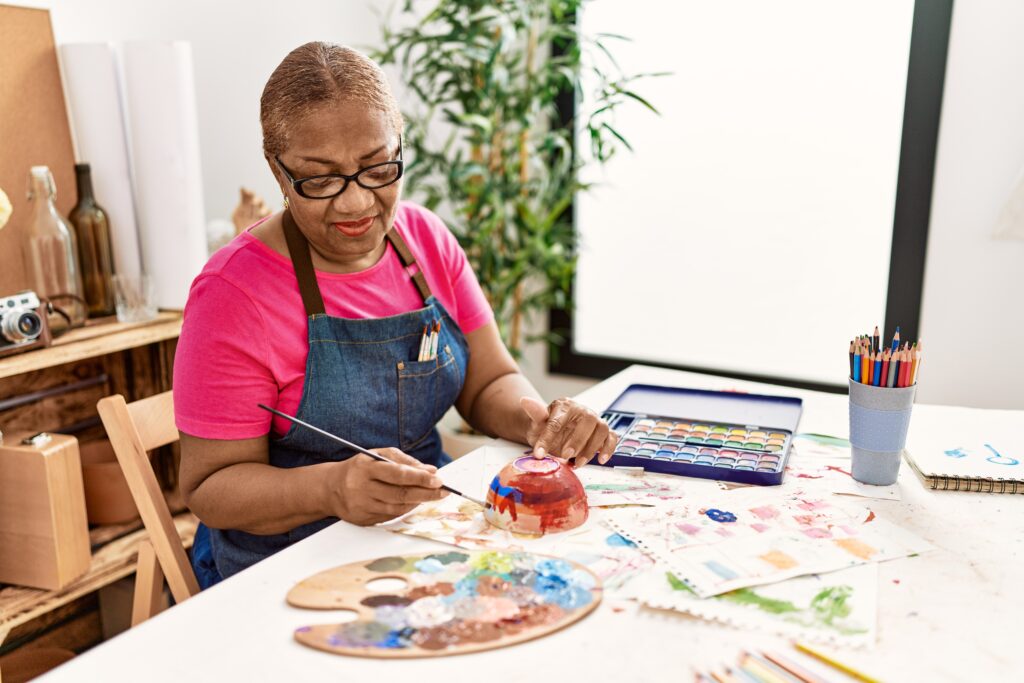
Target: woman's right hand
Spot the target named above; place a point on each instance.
(365, 491)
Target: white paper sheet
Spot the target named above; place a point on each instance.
(94, 98)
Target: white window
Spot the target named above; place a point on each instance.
(750, 230)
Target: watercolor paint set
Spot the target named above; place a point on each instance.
(721, 435)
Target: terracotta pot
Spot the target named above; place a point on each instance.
(107, 497)
(24, 664)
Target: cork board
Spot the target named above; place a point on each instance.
(33, 128)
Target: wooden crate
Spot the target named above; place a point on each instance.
(44, 536)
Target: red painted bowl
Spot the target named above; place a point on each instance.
(536, 496)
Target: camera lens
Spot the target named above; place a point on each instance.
(29, 324)
(21, 327)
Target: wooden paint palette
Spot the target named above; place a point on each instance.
(452, 602)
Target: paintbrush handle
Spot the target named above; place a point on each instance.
(356, 447)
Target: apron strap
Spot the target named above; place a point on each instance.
(408, 260)
(298, 248)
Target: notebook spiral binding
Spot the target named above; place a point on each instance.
(975, 484)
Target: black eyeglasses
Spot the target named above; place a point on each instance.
(332, 184)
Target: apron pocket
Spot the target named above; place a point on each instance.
(426, 390)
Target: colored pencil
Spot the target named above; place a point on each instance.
(876, 338)
(896, 339)
(864, 367)
(851, 358)
(839, 666)
(360, 449)
(800, 673)
(722, 677)
(878, 369)
(885, 368)
(744, 674)
(761, 669)
(855, 375)
(915, 355)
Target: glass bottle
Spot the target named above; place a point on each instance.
(49, 250)
(94, 250)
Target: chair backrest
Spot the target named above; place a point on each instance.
(133, 429)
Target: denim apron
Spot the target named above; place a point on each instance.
(363, 383)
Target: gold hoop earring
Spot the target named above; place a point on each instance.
(286, 201)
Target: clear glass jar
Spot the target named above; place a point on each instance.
(50, 252)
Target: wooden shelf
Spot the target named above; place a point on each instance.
(95, 339)
(113, 561)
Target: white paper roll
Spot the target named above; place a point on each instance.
(163, 134)
(94, 97)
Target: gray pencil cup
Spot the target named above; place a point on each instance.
(879, 417)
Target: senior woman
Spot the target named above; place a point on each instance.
(319, 311)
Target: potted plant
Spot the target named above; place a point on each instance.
(490, 75)
(490, 148)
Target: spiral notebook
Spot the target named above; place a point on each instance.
(963, 449)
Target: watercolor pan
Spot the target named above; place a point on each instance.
(709, 434)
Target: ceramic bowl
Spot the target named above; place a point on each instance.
(536, 496)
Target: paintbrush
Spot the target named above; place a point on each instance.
(360, 449)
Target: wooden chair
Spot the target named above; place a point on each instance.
(133, 429)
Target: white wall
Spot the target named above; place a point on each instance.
(236, 46)
(972, 324)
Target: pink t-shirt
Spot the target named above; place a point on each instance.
(244, 339)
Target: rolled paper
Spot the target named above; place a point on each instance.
(94, 101)
(160, 105)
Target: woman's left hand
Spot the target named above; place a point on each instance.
(568, 430)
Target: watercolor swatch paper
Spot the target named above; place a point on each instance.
(750, 537)
(458, 522)
(607, 487)
(838, 608)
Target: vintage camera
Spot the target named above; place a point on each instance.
(22, 324)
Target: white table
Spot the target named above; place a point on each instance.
(943, 616)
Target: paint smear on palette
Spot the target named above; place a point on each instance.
(452, 603)
(536, 496)
(838, 608)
